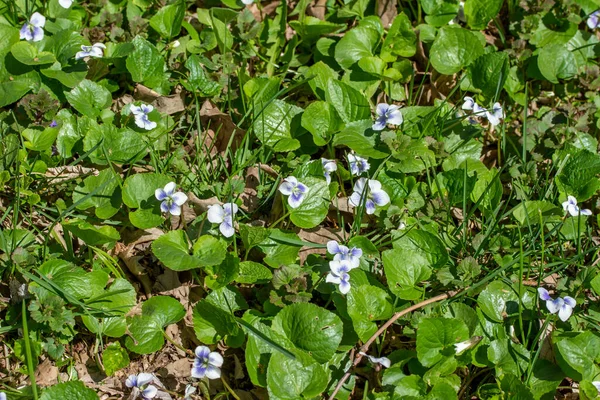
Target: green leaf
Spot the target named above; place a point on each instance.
(513, 388)
(507, 357)
(439, 12)
(114, 358)
(401, 40)
(350, 104)
(362, 139)
(253, 272)
(278, 248)
(453, 49)
(405, 269)
(219, 276)
(489, 187)
(68, 135)
(69, 390)
(488, 73)
(69, 76)
(8, 36)
(578, 177)
(213, 316)
(497, 301)
(576, 355)
(16, 81)
(367, 304)
(253, 235)
(310, 328)
(106, 199)
(90, 234)
(556, 62)
(436, 338)
(40, 140)
(321, 120)
(480, 12)
(355, 44)
(118, 299)
(89, 98)
(138, 192)
(146, 330)
(167, 21)
(289, 379)
(209, 250)
(73, 280)
(545, 379)
(311, 28)
(145, 63)
(315, 206)
(198, 80)
(173, 250)
(275, 126)
(425, 243)
(534, 212)
(28, 54)
(319, 75)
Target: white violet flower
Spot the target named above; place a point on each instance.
(247, 2)
(2, 396)
(357, 164)
(223, 215)
(461, 347)
(329, 166)
(295, 190)
(141, 116)
(496, 115)
(597, 385)
(564, 306)
(387, 114)
(189, 391)
(65, 3)
(95, 50)
(171, 201)
(141, 382)
(32, 30)
(594, 19)
(383, 361)
(370, 190)
(339, 274)
(471, 105)
(341, 252)
(207, 364)
(572, 208)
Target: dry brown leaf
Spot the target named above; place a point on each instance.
(46, 374)
(181, 368)
(317, 235)
(68, 172)
(132, 262)
(219, 130)
(201, 205)
(317, 9)
(387, 11)
(165, 104)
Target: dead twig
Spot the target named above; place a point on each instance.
(365, 347)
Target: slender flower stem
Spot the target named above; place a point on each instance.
(229, 389)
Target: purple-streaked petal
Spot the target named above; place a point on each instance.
(370, 207)
(384, 361)
(38, 34)
(160, 194)
(213, 372)
(572, 200)
(592, 21)
(215, 214)
(37, 20)
(175, 209)
(131, 381)
(295, 199)
(286, 188)
(230, 208)
(494, 120)
(381, 109)
(395, 118)
(147, 108)
(135, 110)
(302, 187)
(164, 207)
(356, 252)
(202, 352)
(170, 188)
(543, 293)
(150, 392)
(226, 227)
(144, 378)
(198, 371)
(359, 185)
(355, 199)
(571, 302)
(96, 52)
(380, 124)
(81, 54)
(354, 262)
(25, 32)
(149, 125)
(333, 247)
(554, 305)
(573, 210)
(179, 198)
(469, 103)
(565, 312)
(380, 198)
(374, 185)
(330, 278)
(327, 177)
(585, 211)
(344, 287)
(215, 359)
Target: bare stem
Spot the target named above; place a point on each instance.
(383, 328)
